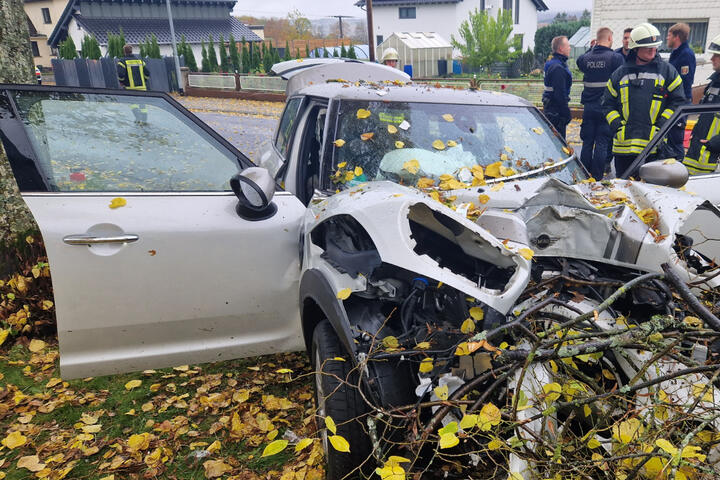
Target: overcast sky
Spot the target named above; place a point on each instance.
(318, 9)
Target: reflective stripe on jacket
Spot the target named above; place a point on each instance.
(699, 159)
(132, 73)
(638, 100)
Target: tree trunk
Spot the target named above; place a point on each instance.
(16, 66)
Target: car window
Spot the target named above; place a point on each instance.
(105, 142)
(403, 142)
(282, 142)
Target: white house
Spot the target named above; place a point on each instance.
(445, 16)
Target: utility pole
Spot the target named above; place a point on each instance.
(371, 41)
(174, 46)
(340, 17)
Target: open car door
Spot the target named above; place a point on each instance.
(151, 265)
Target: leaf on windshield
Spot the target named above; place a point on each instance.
(349, 176)
(341, 164)
(358, 171)
(452, 184)
(507, 171)
(567, 150)
(493, 170)
(399, 144)
(392, 129)
(367, 136)
(483, 199)
(504, 157)
(424, 182)
(438, 145)
(362, 113)
(339, 142)
(448, 118)
(509, 150)
(497, 187)
(413, 166)
(445, 177)
(538, 130)
(451, 143)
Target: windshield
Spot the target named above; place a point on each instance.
(420, 143)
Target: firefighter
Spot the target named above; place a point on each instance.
(597, 65)
(390, 57)
(133, 75)
(558, 81)
(640, 96)
(702, 156)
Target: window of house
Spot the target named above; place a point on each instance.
(507, 5)
(378, 39)
(46, 15)
(407, 12)
(35, 49)
(482, 5)
(698, 33)
(517, 12)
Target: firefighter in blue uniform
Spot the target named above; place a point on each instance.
(558, 81)
(597, 65)
(702, 156)
(133, 75)
(640, 97)
(683, 59)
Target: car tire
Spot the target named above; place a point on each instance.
(342, 401)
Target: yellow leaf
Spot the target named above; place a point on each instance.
(339, 143)
(666, 446)
(526, 253)
(362, 113)
(627, 431)
(302, 444)
(339, 443)
(451, 143)
(29, 239)
(468, 422)
(117, 202)
(438, 145)
(399, 144)
(593, 443)
(4, 332)
(693, 451)
(426, 365)
(462, 349)
(468, 326)
(477, 313)
(425, 182)
(330, 424)
(448, 118)
(91, 428)
(47, 304)
(495, 444)
(566, 150)
(538, 130)
(448, 440)
(216, 468)
(133, 384)
(283, 370)
(423, 345)
(483, 199)
(367, 136)
(390, 342)
(413, 166)
(489, 417)
(441, 392)
(273, 448)
(504, 158)
(552, 391)
(587, 410)
(31, 462)
(391, 471)
(14, 440)
(497, 187)
(617, 196)
(669, 161)
(344, 294)
(36, 345)
(508, 149)
(139, 441)
(493, 170)
(358, 171)
(693, 322)
(341, 165)
(349, 176)
(214, 447)
(392, 129)
(507, 171)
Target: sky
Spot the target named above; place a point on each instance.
(315, 9)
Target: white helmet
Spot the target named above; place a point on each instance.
(390, 54)
(714, 46)
(644, 35)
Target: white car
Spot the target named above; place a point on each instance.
(405, 210)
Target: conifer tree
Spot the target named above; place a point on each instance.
(205, 63)
(234, 56)
(224, 61)
(212, 56)
(335, 52)
(246, 60)
(185, 50)
(297, 53)
(307, 50)
(256, 60)
(154, 51)
(287, 56)
(351, 51)
(326, 54)
(267, 60)
(68, 51)
(343, 52)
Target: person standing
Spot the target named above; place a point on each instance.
(702, 156)
(683, 59)
(640, 96)
(390, 57)
(133, 75)
(624, 50)
(558, 81)
(597, 65)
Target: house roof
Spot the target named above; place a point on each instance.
(195, 30)
(539, 4)
(418, 40)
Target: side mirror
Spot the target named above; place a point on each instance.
(669, 173)
(254, 187)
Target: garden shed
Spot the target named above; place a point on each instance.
(580, 42)
(421, 50)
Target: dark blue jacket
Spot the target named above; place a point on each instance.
(558, 81)
(683, 59)
(597, 65)
(619, 50)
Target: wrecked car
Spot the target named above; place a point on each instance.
(440, 253)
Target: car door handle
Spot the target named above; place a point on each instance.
(93, 240)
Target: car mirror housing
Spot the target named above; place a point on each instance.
(669, 173)
(254, 187)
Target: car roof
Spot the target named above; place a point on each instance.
(415, 92)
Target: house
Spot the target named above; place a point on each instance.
(445, 16)
(195, 19)
(42, 16)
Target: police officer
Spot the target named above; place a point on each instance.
(624, 50)
(640, 96)
(702, 156)
(683, 59)
(558, 81)
(597, 65)
(133, 75)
